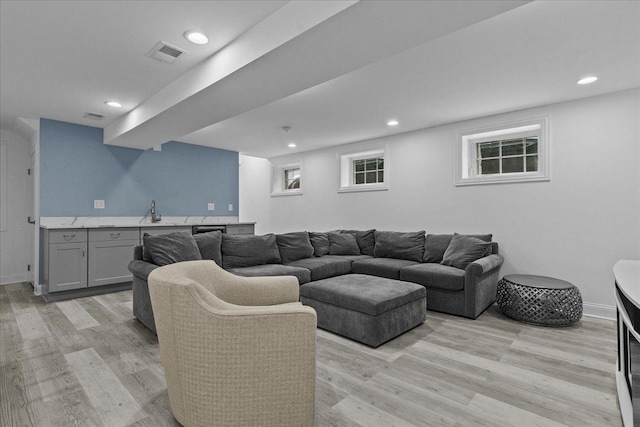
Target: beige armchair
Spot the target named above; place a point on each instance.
(236, 351)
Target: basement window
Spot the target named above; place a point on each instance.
(510, 153)
(286, 177)
(364, 170)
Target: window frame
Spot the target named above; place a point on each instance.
(467, 153)
(278, 181)
(346, 172)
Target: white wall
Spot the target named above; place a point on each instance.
(574, 227)
(16, 243)
(254, 192)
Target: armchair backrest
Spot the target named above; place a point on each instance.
(216, 355)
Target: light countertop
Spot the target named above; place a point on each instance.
(53, 223)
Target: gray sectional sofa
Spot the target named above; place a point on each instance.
(460, 272)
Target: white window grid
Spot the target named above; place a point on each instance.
(367, 170)
(516, 155)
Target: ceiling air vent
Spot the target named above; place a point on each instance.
(165, 52)
(93, 116)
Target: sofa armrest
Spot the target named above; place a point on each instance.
(480, 283)
(141, 269)
(485, 264)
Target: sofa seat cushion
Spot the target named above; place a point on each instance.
(434, 275)
(302, 274)
(323, 267)
(350, 258)
(381, 267)
(363, 293)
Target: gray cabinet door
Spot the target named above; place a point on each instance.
(67, 266)
(108, 262)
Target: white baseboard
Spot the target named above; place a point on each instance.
(599, 310)
(16, 278)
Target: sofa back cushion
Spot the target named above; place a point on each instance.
(170, 248)
(294, 246)
(342, 244)
(463, 250)
(395, 244)
(435, 245)
(365, 239)
(246, 250)
(320, 243)
(210, 245)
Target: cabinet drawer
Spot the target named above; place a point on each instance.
(111, 234)
(68, 235)
(240, 229)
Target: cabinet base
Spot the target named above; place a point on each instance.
(86, 292)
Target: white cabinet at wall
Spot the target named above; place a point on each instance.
(110, 251)
(65, 260)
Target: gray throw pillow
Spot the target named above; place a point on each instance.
(343, 244)
(246, 250)
(294, 246)
(320, 243)
(170, 248)
(210, 245)
(395, 244)
(463, 250)
(366, 240)
(435, 246)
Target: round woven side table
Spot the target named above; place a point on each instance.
(540, 300)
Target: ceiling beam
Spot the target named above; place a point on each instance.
(276, 59)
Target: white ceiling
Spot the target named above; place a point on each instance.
(335, 72)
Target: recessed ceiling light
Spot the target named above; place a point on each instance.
(291, 145)
(392, 123)
(113, 104)
(196, 37)
(587, 80)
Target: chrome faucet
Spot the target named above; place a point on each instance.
(154, 218)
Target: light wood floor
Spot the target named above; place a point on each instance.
(88, 362)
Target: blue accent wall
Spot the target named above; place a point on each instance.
(76, 168)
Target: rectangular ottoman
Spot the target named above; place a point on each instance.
(368, 309)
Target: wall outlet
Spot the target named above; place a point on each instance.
(98, 204)
(230, 207)
(211, 206)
